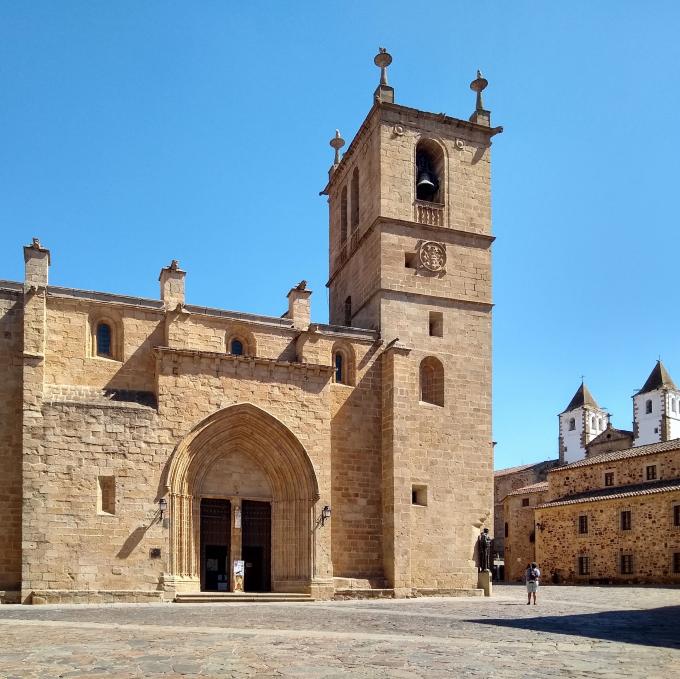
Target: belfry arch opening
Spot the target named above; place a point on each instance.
(429, 172)
(242, 493)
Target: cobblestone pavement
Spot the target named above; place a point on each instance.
(572, 632)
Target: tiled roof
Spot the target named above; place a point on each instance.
(616, 493)
(533, 488)
(639, 451)
(522, 467)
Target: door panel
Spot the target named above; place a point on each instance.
(256, 545)
(215, 543)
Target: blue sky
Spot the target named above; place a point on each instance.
(137, 132)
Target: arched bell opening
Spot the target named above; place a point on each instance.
(429, 172)
(242, 470)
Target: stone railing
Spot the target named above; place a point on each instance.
(429, 213)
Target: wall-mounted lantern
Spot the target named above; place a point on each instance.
(162, 505)
(325, 515)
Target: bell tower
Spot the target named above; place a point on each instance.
(410, 257)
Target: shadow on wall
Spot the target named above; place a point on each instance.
(653, 627)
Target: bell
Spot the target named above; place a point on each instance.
(425, 185)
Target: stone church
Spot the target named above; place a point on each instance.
(158, 449)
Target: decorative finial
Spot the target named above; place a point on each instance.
(478, 85)
(383, 59)
(337, 143)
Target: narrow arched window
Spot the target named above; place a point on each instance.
(673, 405)
(432, 381)
(355, 199)
(104, 337)
(348, 311)
(236, 347)
(340, 368)
(648, 406)
(593, 423)
(572, 424)
(343, 216)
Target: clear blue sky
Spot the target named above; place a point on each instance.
(136, 132)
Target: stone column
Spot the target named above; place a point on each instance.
(396, 473)
(37, 262)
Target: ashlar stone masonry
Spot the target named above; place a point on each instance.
(149, 447)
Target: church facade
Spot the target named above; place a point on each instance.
(153, 448)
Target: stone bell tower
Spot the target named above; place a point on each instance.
(410, 256)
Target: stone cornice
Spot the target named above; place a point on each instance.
(246, 360)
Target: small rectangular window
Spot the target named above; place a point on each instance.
(609, 479)
(651, 472)
(626, 564)
(506, 529)
(582, 524)
(676, 515)
(419, 495)
(106, 494)
(525, 502)
(436, 324)
(584, 565)
(676, 562)
(410, 260)
(626, 522)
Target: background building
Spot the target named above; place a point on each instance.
(613, 515)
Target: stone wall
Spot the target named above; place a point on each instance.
(505, 481)
(520, 543)
(651, 541)
(627, 471)
(11, 307)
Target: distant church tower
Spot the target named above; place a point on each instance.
(410, 256)
(580, 422)
(656, 409)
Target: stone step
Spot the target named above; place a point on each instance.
(239, 597)
(367, 593)
(448, 592)
(359, 583)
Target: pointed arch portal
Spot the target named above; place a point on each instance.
(242, 454)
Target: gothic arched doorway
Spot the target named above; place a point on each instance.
(242, 461)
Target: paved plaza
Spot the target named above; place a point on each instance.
(572, 632)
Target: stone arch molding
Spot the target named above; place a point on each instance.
(269, 444)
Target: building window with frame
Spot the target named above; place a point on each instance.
(584, 565)
(648, 406)
(236, 347)
(650, 472)
(583, 524)
(104, 340)
(626, 562)
(348, 312)
(355, 199)
(525, 502)
(505, 532)
(609, 478)
(676, 563)
(676, 516)
(626, 520)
